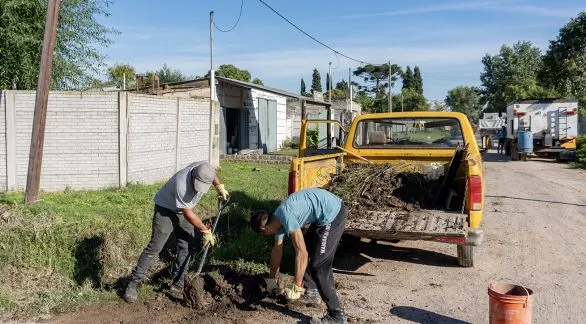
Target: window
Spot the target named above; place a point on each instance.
(408, 133)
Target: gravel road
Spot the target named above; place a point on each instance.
(534, 221)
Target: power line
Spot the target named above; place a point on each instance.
(235, 24)
(313, 38)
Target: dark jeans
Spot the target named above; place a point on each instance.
(165, 222)
(501, 146)
(321, 243)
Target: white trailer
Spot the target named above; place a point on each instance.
(553, 123)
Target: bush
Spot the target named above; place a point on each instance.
(288, 143)
(581, 149)
(313, 138)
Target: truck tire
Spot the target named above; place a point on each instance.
(466, 256)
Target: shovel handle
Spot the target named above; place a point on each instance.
(221, 206)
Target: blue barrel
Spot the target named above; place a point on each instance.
(525, 144)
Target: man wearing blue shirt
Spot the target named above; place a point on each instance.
(325, 215)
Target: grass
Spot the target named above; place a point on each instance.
(73, 248)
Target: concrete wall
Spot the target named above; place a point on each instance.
(96, 140)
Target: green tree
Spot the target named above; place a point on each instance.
(316, 81)
(417, 80)
(117, 72)
(342, 85)
(80, 36)
(465, 100)
(413, 101)
(408, 79)
(168, 75)
(302, 92)
(232, 72)
(257, 81)
(512, 75)
(328, 82)
(565, 60)
(376, 78)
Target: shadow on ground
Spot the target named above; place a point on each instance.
(419, 315)
(355, 253)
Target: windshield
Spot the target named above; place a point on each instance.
(408, 133)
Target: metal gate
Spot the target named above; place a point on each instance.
(267, 110)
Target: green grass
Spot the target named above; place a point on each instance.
(72, 248)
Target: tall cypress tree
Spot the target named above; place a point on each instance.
(418, 81)
(302, 87)
(327, 81)
(408, 79)
(316, 81)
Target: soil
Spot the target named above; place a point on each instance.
(384, 188)
(534, 220)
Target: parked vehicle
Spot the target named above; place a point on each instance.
(428, 140)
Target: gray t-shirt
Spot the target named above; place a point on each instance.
(178, 192)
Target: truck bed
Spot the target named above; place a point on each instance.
(404, 225)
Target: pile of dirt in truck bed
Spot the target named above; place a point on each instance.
(224, 288)
(383, 187)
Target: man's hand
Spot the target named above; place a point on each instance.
(294, 292)
(222, 192)
(272, 285)
(208, 237)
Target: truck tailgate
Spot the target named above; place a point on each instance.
(405, 225)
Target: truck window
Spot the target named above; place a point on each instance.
(408, 133)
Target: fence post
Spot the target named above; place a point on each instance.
(177, 135)
(11, 180)
(123, 138)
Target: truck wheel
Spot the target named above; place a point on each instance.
(466, 256)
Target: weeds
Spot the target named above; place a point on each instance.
(76, 247)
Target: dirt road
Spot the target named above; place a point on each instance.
(534, 223)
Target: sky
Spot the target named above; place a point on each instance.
(446, 39)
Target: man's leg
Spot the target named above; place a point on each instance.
(162, 228)
(185, 233)
(322, 257)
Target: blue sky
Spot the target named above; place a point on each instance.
(446, 39)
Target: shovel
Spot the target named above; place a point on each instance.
(221, 206)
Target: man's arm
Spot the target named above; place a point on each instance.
(276, 254)
(193, 219)
(301, 256)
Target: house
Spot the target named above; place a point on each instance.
(252, 116)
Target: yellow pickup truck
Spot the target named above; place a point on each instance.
(435, 142)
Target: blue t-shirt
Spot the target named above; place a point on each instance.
(306, 207)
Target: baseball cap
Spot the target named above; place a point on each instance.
(202, 176)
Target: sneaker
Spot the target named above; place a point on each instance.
(310, 298)
(335, 316)
(131, 292)
(176, 291)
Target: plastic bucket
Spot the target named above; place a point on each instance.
(510, 304)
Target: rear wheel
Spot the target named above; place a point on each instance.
(466, 256)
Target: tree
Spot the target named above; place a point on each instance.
(417, 80)
(376, 78)
(257, 81)
(342, 85)
(117, 73)
(565, 60)
(168, 75)
(439, 105)
(232, 72)
(408, 79)
(413, 101)
(80, 35)
(465, 100)
(328, 81)
(316, 81)
(302, 92)
(512, 75)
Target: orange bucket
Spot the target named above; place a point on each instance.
(509, 304)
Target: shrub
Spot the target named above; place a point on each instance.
(312, 138)
(581, 149)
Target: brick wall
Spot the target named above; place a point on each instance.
(96, 139)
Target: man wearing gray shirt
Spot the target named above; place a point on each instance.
(173, 213)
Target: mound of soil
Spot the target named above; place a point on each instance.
(224, 289)
(384, 188)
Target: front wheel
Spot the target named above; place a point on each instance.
(466, 256)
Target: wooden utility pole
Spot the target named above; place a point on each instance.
(35, 159)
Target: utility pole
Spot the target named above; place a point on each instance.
(390, 93)
(402, 101)
(211, 40)
(35, 159)
(330, 82)
(350, 86)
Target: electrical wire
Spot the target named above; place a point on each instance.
(235, 24)
(313, 38)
